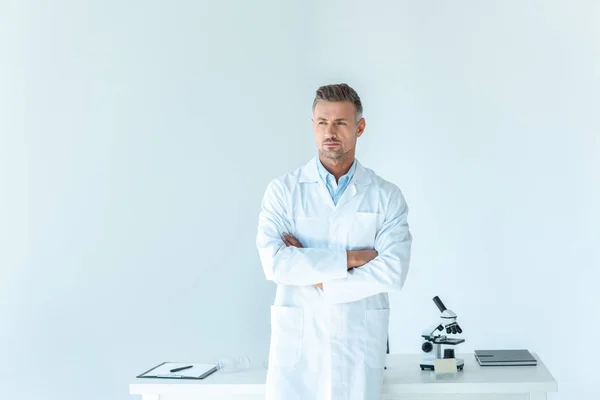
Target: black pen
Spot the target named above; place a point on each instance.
(181, 368)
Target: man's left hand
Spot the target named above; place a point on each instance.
(289, 240)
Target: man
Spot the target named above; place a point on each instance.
(334, 237)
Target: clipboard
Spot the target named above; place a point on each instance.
(162, 371)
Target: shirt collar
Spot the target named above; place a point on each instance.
(309, 173)
(323, 173)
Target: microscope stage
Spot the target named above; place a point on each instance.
(460, 363)
(449, 341)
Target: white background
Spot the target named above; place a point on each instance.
(137, 138)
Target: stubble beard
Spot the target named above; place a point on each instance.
(333, 155)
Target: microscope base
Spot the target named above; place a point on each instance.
(429, 364)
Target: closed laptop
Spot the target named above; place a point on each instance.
(505, 357)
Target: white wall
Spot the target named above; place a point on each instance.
(136, 140)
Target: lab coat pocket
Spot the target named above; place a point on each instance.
(364, 230)
(376, 333)
(286, 336)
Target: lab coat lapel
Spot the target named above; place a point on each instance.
(310, 175)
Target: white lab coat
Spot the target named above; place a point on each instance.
(330, 343)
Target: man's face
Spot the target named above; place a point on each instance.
(336, 128)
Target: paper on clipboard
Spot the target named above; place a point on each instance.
(198, 371)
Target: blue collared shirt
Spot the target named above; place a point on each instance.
(336, 189)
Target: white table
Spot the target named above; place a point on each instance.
(403, 379)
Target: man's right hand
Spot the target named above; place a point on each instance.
(358, 258)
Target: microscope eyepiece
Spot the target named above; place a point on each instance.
(439, 304)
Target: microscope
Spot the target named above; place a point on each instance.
(433, 340)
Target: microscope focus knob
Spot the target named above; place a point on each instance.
(427, 347)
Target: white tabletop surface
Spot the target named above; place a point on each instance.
(403, 376)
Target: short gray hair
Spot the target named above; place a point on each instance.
(339, 92)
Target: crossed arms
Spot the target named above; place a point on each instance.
(343, 275)
(355, 258)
